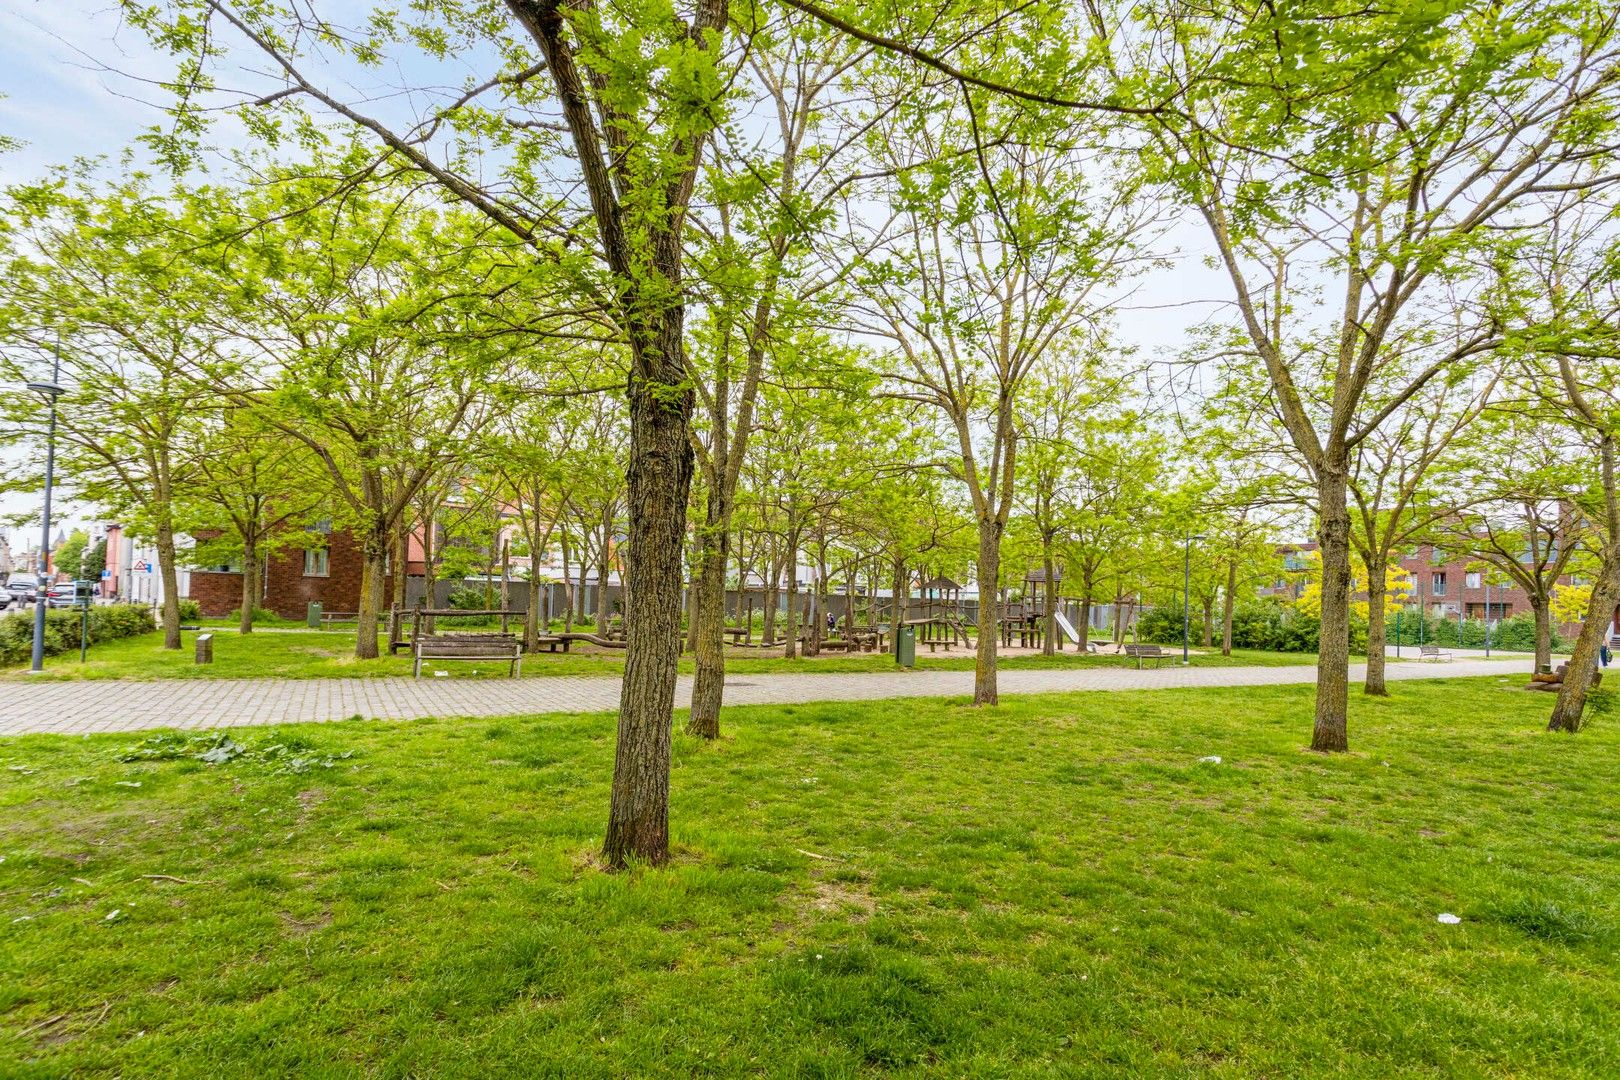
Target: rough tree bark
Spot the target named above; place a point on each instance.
(250, 582)
(1568, 710)
(1331, 730)
(1376, 624)
(984, 668)
(171, 585)
(1228, 603)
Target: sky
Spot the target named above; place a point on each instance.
(78, 82)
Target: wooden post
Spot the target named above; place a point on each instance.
(205, 648)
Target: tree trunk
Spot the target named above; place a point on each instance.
(250, 583)
(568, 588)
(900, 601)
(1331, 729)
(1377, 625)
(430, 580)
(709, 622)
(659, 481)
(771, 595)
(1568, 711)
(1571, 704)
(1049, 644)
(1208, 604)
(1228, 603)
(603, 562)
(1085, 621)
(792, 629)
(171, 586)
(373, 553)
(1541, 604)
(531, 618)
(397, 566)
(984, 663)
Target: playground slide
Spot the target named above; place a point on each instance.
(1067, 627)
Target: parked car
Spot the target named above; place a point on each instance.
(5, 598)
(62, 595)
(22, 591)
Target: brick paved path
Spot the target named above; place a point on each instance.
(67, 707)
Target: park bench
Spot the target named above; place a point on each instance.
(1433, 652)
(1147, 652)
(333, 618)
(552, 642)
(453, 646)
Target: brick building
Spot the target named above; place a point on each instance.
(294, 577)
(1441, 582)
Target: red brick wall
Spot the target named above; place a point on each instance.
(216, 594)
(287, 591)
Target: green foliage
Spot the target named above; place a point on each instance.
(190, 609)
(108, 622)
(1517, 634)
(69, 556)
(1259, 624)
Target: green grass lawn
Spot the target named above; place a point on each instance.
(1057, 887)
(308, 654)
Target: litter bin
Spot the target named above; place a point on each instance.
(905, 646)
(313, 616)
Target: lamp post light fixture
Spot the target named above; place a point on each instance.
(1186, 595)
(51, 390)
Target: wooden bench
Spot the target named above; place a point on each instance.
(452, 646)
(552, 642)
(1433, 652)
(1147, 652)
(332, 618)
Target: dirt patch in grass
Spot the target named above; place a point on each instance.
(298, 927)
(849, 898)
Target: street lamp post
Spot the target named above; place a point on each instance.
(51, 390)
(1186, 595)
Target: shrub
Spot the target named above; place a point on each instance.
(190, 609)
(1256, 624)
(62, 625)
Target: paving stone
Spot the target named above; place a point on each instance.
(113, 705)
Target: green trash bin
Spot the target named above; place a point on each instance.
(312, 617)
(905, 646)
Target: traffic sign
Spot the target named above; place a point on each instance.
(143, 566)
(106, 575)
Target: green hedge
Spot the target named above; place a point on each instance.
(1258, 624)
(1517, 634)
(107, 622)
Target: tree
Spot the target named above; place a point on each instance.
(90, 279)
(994, 261)
(359, 335)
(249, 489)
(1314, 179)
(1518, 508)
(69, 556)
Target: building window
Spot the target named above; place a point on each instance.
(317, 561)
(1471, 580)
(1437, 584)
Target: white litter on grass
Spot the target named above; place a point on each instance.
(441, 674)
(1448, 918)
(113, 914)
(126, 783)
(1213, 759)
